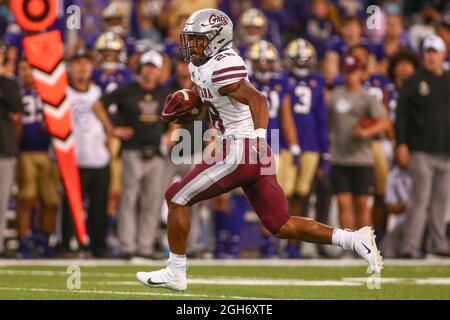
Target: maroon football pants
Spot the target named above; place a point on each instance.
(246, 163)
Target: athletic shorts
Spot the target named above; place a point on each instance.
(297, 179)
(246, 163)
(38, 178)
(357, 180)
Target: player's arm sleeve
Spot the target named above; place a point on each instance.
(321, 114)
(228, 70)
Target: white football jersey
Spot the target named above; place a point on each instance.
(228, 116)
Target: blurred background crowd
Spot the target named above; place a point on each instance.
(366, 99)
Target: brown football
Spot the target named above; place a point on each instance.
(366, 122)
(190, 100)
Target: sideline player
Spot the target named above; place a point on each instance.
(239, 113)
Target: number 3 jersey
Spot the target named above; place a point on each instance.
(228, 116)
(310, 113)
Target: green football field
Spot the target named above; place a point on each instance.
(247, 279)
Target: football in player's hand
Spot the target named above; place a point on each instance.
(366, 122)
(182, 106)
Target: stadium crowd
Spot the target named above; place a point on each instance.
(362, 109)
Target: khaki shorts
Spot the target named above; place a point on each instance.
(293, 180)
(38, 177)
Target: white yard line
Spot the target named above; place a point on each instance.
(214, 280)
(231, 262)
(8, 272)
(133, 293)
(252, 282)
(192, 279)
(413, 281)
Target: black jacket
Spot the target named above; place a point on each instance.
(423, 113)
(10, 102)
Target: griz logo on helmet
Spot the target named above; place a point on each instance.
(216, 21)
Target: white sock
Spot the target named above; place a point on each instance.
(342, 238)
(177, 262)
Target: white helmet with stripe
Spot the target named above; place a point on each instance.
(206, 33)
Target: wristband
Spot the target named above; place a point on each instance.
(260, 133)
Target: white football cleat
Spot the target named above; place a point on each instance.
(364, 244)
(164, 278)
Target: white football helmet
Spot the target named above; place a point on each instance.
(253, 24)
(205, 33)
(263, 56)
(114, 17)
(110, 50)
(300, 57)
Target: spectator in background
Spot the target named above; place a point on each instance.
(423, 145)
(116, 19)
(234, 8)
(423, 26)
(351, 8)
(252, 29)
(351, 146)
(85, 36)
(10, 122)
(397, 199)
(92, 154)
(278, 21)
(352, 34)
(139, 106)
(37, 173)
(175, 9)
(147, 12)
(395, 39)
(111, 73)
(110, 55)
(401, 67)
(172, 45)
(397, 196)
(319, 27)
(443, 31)
(375, 84)
(140, 47)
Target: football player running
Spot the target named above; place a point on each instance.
(240, 114)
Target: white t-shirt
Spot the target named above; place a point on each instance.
(228, 116)
(90, 137)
